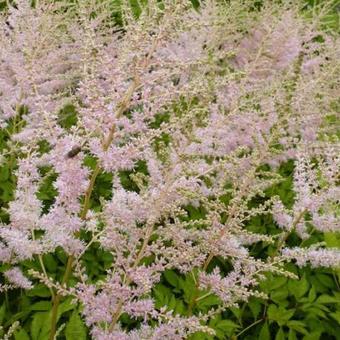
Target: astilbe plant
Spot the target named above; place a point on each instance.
(210, 101)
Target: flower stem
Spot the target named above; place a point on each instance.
(118, 310)
(57, 298)
(286, 235)
(250, 326)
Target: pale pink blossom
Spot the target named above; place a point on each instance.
(17, 278)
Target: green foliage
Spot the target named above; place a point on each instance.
(75, 328)
(7, 166)
(67, 116)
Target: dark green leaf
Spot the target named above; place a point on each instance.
(279, 314)
(324, 298)
(21, 335)
(2, 313)
(39, 290)
(312, 295)
(298, 326)
(265, 333)
(255, 307)
(298, 287)
(40, 326)
(280, 335)
(292, 335)
(171, 277)
(75, 328)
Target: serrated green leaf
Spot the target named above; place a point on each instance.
(312, 295)
(208, 301)
(21, 335)
(236, 311)
(171, 277)
(255, 307)
(292, 335)
(336, 316)
(279, 294)
(75, 328)
(38, 331)
(277, 282)
(215, 320)
(279, 314)
(227, 326)
(200, 336)
(180, 307)
(280, 335)
(7, 191)
(50, 263)
(39, 290)
(2, 313)
(41, 323)
(326, 281)
(264, 332)
(41, 306)
(314, 311)
(332, 240)
(324, 298)
(162, 295)
(67, 116)
(65, 306)
(298, 288)
(20, 315)
(312, 336)
(298, 326)
(172, 303)
(188, 287)
(4, 173)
